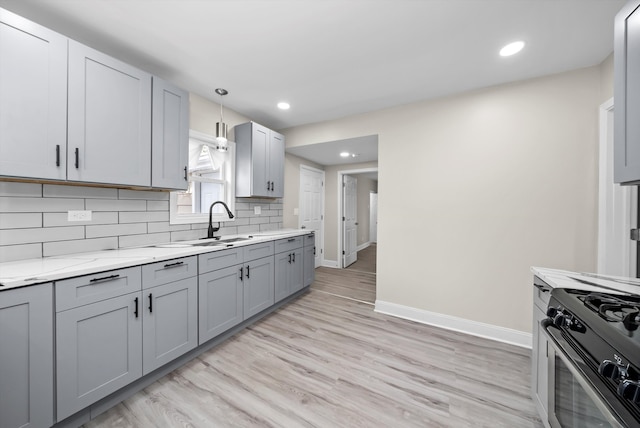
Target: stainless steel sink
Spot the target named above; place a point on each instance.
(227, 241)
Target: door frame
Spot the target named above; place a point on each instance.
(340, 262)
(617, 205)
(373, 225)
(320, 238)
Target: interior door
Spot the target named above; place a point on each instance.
(311, 213)
(373, 217)
(349, 220)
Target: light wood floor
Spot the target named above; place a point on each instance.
(326, 361)
(366, 260)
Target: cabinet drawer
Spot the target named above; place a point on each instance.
(541, 294)
(219, 259)
(71, 293)
(169, 271)
(288, 244)
(257, 251)
(309, 240)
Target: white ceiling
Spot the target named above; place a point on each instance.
(334, 58)
(360, 149)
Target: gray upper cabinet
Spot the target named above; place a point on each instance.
(259, 161)
(627, 95)
(26, 357)
(169, 136)
(33, 99)
(109, 120)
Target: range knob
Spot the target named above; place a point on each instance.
(613, 371)
(551, 312)
(630, 390)
(561, 320)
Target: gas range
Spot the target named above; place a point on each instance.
(597, 333)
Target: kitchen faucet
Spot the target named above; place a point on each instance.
(211, 228)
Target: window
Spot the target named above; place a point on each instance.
(211, 178)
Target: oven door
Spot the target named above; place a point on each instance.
(574, 400)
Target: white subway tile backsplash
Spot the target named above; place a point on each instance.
(116, 205)
(165, 226)
(147, 239)
(20, 220)
(27, 236)
(10, 253)
(59, 191)
(27, 205)
(115, 230)
(143, 217)
(97, 217)
(143, 194)
(157, 205)
(33, 219)
(78, 246)
(10, 188)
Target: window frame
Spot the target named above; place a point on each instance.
(229, 186)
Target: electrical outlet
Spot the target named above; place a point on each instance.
(78, 215)
(257, 210)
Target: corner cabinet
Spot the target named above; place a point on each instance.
(169, 136)
(26, 357)
(259, 161)
(539, 352)
(109, 120)
(33, 100)
(627, 95)
(309, 259)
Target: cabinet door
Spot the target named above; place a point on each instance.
(258, 286)
(33, 99)
(540, 368)
(260, 160)
(276, 164)
(627, 94)
(282, 285)
(26, 357)
(169, 324)
(309, 265)
(220, 301)
(109, 119)
(296, 271)
(169, 136)
(98, 351)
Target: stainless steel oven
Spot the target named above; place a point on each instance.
(594, 352)
(574, 401)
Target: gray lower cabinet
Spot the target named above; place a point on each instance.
(26, 357)
(258, 286)
(98, 351)
(220, 301)
(33, 99)
(539, 354)
(98, 337)
(309, 259)
(169, 323)
(288, 273)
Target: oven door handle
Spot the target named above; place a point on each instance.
(567, 355)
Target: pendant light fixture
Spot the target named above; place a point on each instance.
(221, 127)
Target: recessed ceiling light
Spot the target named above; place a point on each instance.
(512, 48)
(283, 105)
(345, 154)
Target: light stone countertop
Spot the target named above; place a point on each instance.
(36, 271)
(557, 278)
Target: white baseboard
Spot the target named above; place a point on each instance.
(488, 331)
(363, 246)
(330, 263)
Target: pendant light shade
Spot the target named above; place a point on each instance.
(221, 127)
